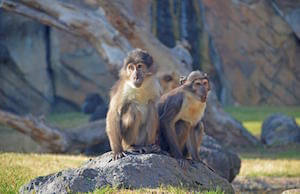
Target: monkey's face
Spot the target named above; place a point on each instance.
(201, 88)
(136, 73)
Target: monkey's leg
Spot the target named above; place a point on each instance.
(182, 130)
(130, 124)
(192, 145)
(152, 130)
(168, 131)
(152, 124)
(199, 132)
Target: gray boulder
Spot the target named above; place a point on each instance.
(224, 162)
(279, 129)
(133, 171)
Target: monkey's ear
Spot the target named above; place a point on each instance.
(182, 80)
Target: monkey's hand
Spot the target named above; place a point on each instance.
(119, 155)
(183, 163)
(153, 148)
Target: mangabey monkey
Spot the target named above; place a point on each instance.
(132, 118)
(180, 112)
(168, 81)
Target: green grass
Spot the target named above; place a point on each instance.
(253, 117)
(68, 119)
(17, 169)
(162, 189)
(281, 161)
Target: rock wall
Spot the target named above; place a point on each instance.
(44, 69)
(248, 47)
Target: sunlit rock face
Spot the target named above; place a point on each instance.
(249, 47)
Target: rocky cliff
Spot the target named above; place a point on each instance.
(248, 47)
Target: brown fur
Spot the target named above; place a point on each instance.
(132, 119)
(180, 112)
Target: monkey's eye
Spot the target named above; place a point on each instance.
(139, 66)
(167, 78)
(197, 83)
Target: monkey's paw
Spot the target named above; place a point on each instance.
(183, 163)
(119, 155)
(155, 148)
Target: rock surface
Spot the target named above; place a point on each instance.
(58, 69)
(257, 52)
(290, 11)
(133, 171)
(280, 129)
(248, 49)
(224, 162)
(24, 81)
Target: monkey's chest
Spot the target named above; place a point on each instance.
(142, 111)
(192, 111)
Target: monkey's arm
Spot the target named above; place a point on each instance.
(168, 109)
(114, 132)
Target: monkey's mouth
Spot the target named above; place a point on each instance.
(203, 98)
(138, 82)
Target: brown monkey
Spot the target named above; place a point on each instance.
(132, 118)
(168, 81)
(180, 114)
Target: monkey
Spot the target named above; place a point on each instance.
(132, 118)
(180, 114)
(168, 81)
(94, 105)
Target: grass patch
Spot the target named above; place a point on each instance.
(17, 169)
(67, 120)
(281, 161)
(253, 117)
(270, 168)
(168, 189)
(287, 152)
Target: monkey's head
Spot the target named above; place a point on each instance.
(138, 66)
(197, 82)
(168, 81)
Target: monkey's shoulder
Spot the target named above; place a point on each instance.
(174, 96)
(192, 109)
